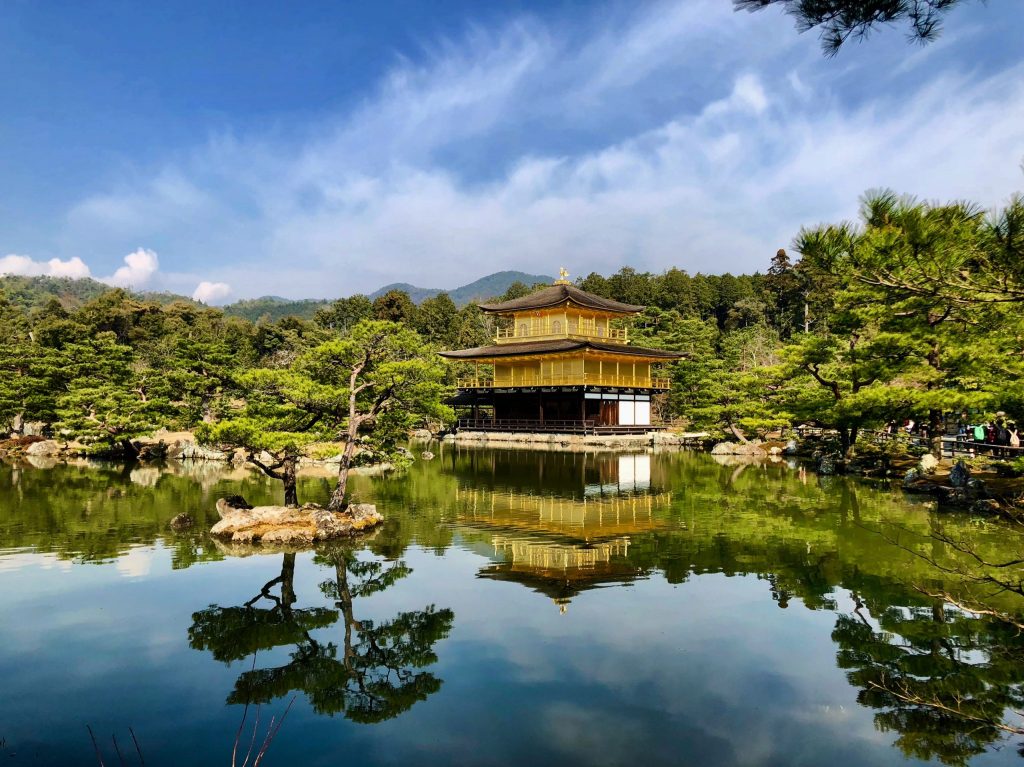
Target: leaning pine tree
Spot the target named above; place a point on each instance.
(389, 380)
(367, 390)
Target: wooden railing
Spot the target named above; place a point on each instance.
(588, 426)
(952, 446)
(547, 329)
(578, 379)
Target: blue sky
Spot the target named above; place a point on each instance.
(322, 149)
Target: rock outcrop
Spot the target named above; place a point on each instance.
(291, 524)
(828, 464)
(738, 448)
(959, 475)
(190, 451)
(182, 521)
(46, 447)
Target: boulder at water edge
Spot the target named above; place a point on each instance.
(927, 464)
(47, 447)
(182, 521)
(959, 475)
(737, 448)
(293, 524)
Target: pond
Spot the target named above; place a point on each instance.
(516, 607)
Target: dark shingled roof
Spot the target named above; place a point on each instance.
(558, 345)
(559, 294)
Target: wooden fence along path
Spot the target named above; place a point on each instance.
(952, 444)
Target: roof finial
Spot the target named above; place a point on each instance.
(563, 274)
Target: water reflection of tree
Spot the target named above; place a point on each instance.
(939, 676)
(374, 673)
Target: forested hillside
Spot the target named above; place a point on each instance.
(31, 293)
(274, 308)
(913, 312)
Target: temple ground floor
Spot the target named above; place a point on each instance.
(570, 410)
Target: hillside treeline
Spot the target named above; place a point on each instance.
(914, 311)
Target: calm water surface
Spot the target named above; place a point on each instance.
(516, 607)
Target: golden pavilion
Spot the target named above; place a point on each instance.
(561, 362)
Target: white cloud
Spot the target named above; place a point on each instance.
(139, 267)
(677, 154)
(211, 292)
(27, 267)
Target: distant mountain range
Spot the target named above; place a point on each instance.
(486, 287)
(35, 292)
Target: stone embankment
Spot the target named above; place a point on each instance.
(756, 449)
(570, 442)
(163, 445)
(290, 525)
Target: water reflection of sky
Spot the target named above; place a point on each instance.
(700, 673)
(709, 671)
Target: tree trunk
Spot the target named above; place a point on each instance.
(936, 427)
(338, 501)
(291, 490)
(844, 440)
(345, 603)
(130, 451)
(738, 434)
(288, 581)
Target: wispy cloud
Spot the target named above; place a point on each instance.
(681, 134)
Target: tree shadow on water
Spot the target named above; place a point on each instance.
(371, 672)
(947, 682)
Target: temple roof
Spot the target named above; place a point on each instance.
(559, 294)
(557, 345)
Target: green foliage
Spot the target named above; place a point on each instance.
(269, 309)
(110, 395)
(344, 313)
(438, 319)
(394, 306)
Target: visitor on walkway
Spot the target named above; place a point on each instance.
(1014, 435)
(990, 433)
(1002, 438)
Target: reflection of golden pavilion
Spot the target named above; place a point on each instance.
(561, 546)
